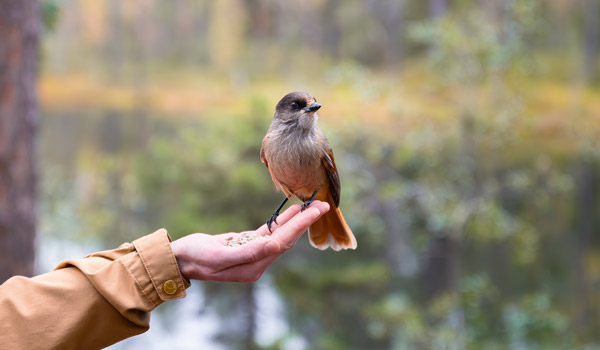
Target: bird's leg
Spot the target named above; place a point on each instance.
(273, 218)
(307, 203)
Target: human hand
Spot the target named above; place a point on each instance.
(207, 257)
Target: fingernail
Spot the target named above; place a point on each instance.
(312, 211)
(271, 247)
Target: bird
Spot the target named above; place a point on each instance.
(301, 164)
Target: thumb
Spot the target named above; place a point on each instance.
(272, 247)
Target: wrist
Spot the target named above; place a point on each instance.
(179, 251)
(160, 273)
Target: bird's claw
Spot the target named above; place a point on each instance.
(308, 202)
(272, 219)
(305, 205)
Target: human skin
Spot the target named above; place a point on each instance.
(207, 257)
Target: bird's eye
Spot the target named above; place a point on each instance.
(294, 105)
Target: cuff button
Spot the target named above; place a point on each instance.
(170, 287)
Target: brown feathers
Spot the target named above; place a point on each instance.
(301, 164)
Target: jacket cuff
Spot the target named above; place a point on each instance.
(160, 265)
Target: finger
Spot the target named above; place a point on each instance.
(285, 217)
(281, 220)
(292, 225)
(257, 261)
(254, 250)
(289, 233)
(249, 272)
(248, 253)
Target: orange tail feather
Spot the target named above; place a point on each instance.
(331, 230)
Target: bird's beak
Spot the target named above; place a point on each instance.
(312, 108)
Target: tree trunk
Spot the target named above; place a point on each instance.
(441, 267)
(114, 45)
(331, 29)
(437, 8)
(493, 9)
(587, 189)
(249, 305)
(591, 33)
(392, 19)
(19, 30)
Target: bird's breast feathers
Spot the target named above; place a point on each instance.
(295, 166)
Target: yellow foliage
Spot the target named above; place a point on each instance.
(550, 110)
(227, 30)
(93, 23)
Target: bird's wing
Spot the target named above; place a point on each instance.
(332, 174)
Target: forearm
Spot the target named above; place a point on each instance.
(92, 302)
(60, 310)
(96, 301)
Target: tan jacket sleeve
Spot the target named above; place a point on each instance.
(92, 302)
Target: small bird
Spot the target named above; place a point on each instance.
(301, 164)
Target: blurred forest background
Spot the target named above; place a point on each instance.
(466, 133)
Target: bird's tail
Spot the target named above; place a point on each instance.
(331, 230)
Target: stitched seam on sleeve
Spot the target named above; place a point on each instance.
(138, 283)
(142, 257)
(174, 261)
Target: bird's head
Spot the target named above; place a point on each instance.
(297, 108)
